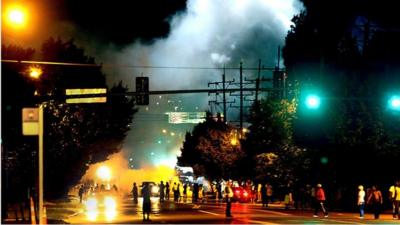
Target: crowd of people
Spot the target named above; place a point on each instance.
(305, 197)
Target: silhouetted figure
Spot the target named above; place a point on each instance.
(263, 193)
(167, 191)
(80, 192)
(185, 192)
(135, 193)
(219, 191)
(162, 189)
(146, 202)
(195, 192)
(375, 200)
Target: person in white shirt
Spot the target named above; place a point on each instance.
(361, 200)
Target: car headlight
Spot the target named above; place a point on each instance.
(155, 189)
(110, 203)
(91, 204)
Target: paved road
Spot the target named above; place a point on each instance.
(212, 212)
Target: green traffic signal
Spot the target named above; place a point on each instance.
(313, 101)
(394, 103)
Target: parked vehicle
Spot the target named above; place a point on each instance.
(240, 195)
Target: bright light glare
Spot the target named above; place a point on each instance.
(92, 215)
(394, 103)
(155, 189)
(104, 173)
(91, 204)
(313, 102)
(16, 16)
(35, 72)
(110, 203)
(234, 141)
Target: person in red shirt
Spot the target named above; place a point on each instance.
(320, 201)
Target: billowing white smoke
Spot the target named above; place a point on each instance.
(210, 33)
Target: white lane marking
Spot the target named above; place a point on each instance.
(272, 212)
(261, 222)
(343, 221)
(211, 213)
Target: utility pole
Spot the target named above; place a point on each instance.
(258, 79)
(224, 96)
(241, 97)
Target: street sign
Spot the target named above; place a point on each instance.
(142, 90)
(86, 95)
(30, 121)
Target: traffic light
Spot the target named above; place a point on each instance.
(142, 90)
(313, 101)
(394, 103)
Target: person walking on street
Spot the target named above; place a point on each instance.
(394, 195)
(361, 200)
(146, 208)
(81, 190)
(375, 200)
(320, 201)
(228, 199)
(162, 187)
(135, 193)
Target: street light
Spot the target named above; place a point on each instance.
(35, 72)
(16, 16)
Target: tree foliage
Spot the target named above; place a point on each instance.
(352, 58)
(76, 135)
(269, 143)
(211, 151)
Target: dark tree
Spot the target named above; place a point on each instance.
(212, 149)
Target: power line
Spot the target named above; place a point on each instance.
(130, 66)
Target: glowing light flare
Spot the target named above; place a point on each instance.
(104, 173)
(91, 204)
(234, 141)
(394, 103)
(92, 215)
(110, 203)
(35, 72)
(16, 16)
(313, 101)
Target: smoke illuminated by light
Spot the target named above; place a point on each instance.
(210, 33)
(104, 173)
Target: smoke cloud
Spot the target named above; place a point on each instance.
(210, 34)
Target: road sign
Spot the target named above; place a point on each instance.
(30, 121)
(142, 90)
(86, 95)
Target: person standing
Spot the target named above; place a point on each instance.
(394, 195)
(162, 187)
(219, 191)
(228, 199)
(146, 193)
(263, 193)
(175, 191)
(81, 190)
(269, 193)
(185, 192)
(167, 191)
(375, 200)
(320, 201)
(135, 193)
(361, 200)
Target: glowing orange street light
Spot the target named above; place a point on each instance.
(35, 72)
(16, 16)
